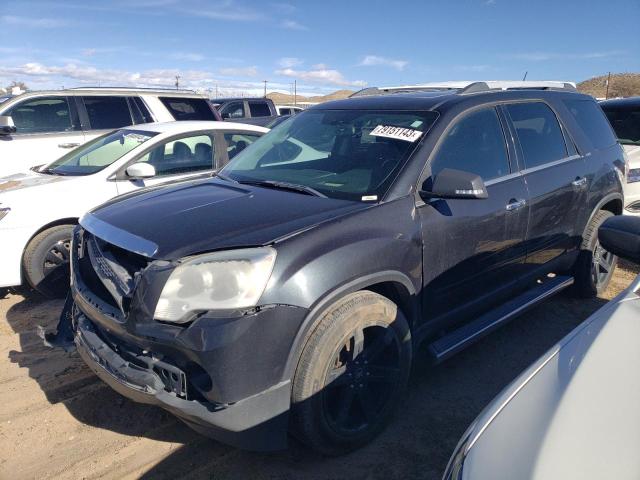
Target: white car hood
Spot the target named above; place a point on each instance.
(19, 181)
(578, 415)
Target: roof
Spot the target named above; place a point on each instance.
(193, 125)
(112, 91)
(622, 102)
(234, 99)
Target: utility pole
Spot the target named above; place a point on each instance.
(177, 82)
(216, 90)
(606, 95)
(265, 88)
(295, 92)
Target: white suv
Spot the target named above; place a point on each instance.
(39, 127)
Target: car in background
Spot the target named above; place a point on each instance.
(291, 291)
(255, 111)
(574, 413)
(41, 126)
(38, 209)
(288, 109)
(624, 116)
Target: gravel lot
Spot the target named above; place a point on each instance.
(59, 421)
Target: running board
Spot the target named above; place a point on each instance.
(464, 336)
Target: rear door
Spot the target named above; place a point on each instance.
(102, 113)
(473, 249)
(47, 128)
(555, 177)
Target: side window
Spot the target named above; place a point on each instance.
(474, 144)
(42, 115)
(625, 121)
(285, 111)
(259, 109)
(591, 119)
(184, 155)
(107, 112)
(236, 142)
(188, 108)
(233, 110)
(538, 132)
(140, 111)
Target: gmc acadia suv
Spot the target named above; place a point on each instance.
(289, 293)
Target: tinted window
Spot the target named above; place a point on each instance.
(185, 155)
(40, 115)
(140, 111)
(259, 109)
(233, 110)
(539, 133)
(188, 108)
(474, 144)
(625, 120)
(285, 111)
(589, 116)
(237, 142)
(349, 154)
(107, 112)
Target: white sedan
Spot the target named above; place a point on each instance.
(38, 209)
(575, 413)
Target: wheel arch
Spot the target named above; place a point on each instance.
(394, 285)
(612, 202)
(54, 223)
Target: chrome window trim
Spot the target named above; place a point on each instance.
(504, 178)
(550, 164)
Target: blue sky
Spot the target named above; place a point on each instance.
(324, 45)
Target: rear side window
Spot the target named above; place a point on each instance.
(474, 144)
(185, 155)
(592, 120)
(259, 109)
(237, 142)
(188, 108)
(42, 115)
(538, 132)
(107, 112)
(625, 121)
(140, 111)
(285, 111)
(233, 110)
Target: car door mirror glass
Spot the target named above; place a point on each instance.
(6, 125)
(140, 170)
(450, 183)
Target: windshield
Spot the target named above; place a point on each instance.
(99, 153)
(625, 122)
(348, 154)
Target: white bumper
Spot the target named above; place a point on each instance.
(632, 198)
(12, 242)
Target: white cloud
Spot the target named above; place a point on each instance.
(187, 56)
(321, 74)
(285, 8)
(545, 56)
(239, 71)
(288, 62)
(488, 3)
(34, 22)
(292, 25)
(374, 60)
(225, 10)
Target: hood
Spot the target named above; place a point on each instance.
(24, 180)
(199, 216)
(573, 415)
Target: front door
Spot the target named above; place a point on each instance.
(473, 249)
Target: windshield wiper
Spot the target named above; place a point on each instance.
(223, 177)
(284, 186)
(48, 171)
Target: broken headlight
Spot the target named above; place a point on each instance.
(230, 279)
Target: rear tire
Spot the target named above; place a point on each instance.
(46, 261)
(352, 374)
(594, 268)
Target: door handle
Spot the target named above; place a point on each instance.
(579, 182)
(515, 204)
(68, 145)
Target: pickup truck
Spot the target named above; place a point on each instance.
(254, 111)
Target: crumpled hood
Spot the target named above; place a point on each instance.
(577, 417)
(19, 181)
(206, 215)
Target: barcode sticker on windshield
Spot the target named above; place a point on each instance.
(398, 133)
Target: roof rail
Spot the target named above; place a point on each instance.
(476, 87)
(146, 89)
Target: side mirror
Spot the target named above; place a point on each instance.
(6, 125)
(450, 183)
(140, 170)
(620, 235)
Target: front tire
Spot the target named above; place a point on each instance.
(594, 267)
(46, 261)
(352, 374)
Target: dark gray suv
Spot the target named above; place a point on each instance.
(289, 293)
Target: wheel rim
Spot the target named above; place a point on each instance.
(57, 256)
(361, 379)
(602, 265)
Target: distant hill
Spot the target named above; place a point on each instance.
(621, 85)
(284, 99)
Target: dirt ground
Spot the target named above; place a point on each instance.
(57, 420)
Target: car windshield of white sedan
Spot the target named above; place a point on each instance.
(99, 153)
(347, 154)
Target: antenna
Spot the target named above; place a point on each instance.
(525, 75)
(177, 82)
